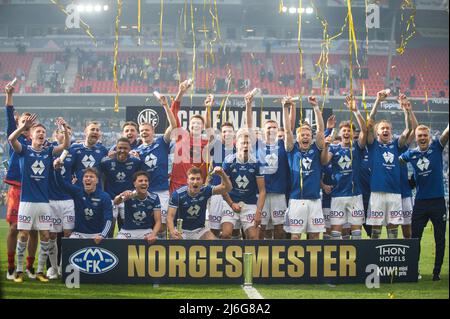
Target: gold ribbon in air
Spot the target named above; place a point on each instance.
(116, 51)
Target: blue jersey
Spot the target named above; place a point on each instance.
(93, 212)
(35, 167)
(54, 191)
(139, 213)
(84, 157)
(346, 165)
(218, 154)
(404, 181)
(385, 167)
(192, 210)
(155, 158)
(364, 176)
(119, 175)
(14, 175)
(311, 172)
(243, 178)
(327, 179)
(428, 167)
(275, 167)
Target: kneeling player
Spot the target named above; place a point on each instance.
(188, 203)
(93, 207)
(142, 211)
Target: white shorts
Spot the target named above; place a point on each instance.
(215, 207)
(34, 216)
(347, 210)
(407, 208)
(133, 233)
(194, 234)
(245, 217)
(326, 217)
(385, 209)
(304, 216)
(274, 209)
(164, 200)
(63, 215)
(83, 235)
(119, 209)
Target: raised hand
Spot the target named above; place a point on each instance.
(248, 98)
(209, 101)
(218, 170)
(312, 100)
(57, 164)
(29, 121)
(328, 140)
(351, 103)
(382, 95)
(61, 122)
(331, 122)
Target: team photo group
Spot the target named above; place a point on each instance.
(326, 180)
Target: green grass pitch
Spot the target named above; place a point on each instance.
(424, 289)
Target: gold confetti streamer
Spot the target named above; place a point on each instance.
(364, 103)
(194, 49)
(280, 9)
(83, 24)
(161, 34)
(116, 51)
(139, 22)
(410, 25)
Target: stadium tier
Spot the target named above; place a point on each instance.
(418, 72)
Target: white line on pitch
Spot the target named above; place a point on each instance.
(252, 293)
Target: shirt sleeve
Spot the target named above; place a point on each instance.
(406, 156)
(67, 186)
(173, 202)
(107, 215)
(157, 204)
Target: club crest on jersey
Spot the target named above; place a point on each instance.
(93, 260)
(423, 164)
(88, 161)
(38, 167)
(242, 182)
(151, 160)
(388, 157)
(194, 210)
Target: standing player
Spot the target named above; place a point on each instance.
(246, 199)
(190, 146)
(61, 205)
(304, 213)
(222, 147)
(346, 199)
(118, 175)
(142, 211)
(188, 203)
(93, 207)
(13, 179)
(154, 154)
(89, 153)
(384, 150)
(34, 208)
(275, 167)
(426, 160)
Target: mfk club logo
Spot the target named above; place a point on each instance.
(93, 260)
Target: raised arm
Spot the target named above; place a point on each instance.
(10, 120)
(170, 117)
(414, 125)
(65, 145)
(320, 137)
(325, 155)
(444, 137)
(408, 120)
(381, 96)
(225, 185)
(293, 116)
(288, 136)
(13, 138)
(66, 186)
(182, 89)
(209, 101)
(353, 107)
(248, 98)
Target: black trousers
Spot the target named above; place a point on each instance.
(436, 211)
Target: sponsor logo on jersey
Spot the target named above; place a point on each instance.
(194, 210)
(93, 260)
(388, 157)
(423, 164)
(38, 167)
(242, 182)
(88, 161)
(151, 161)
